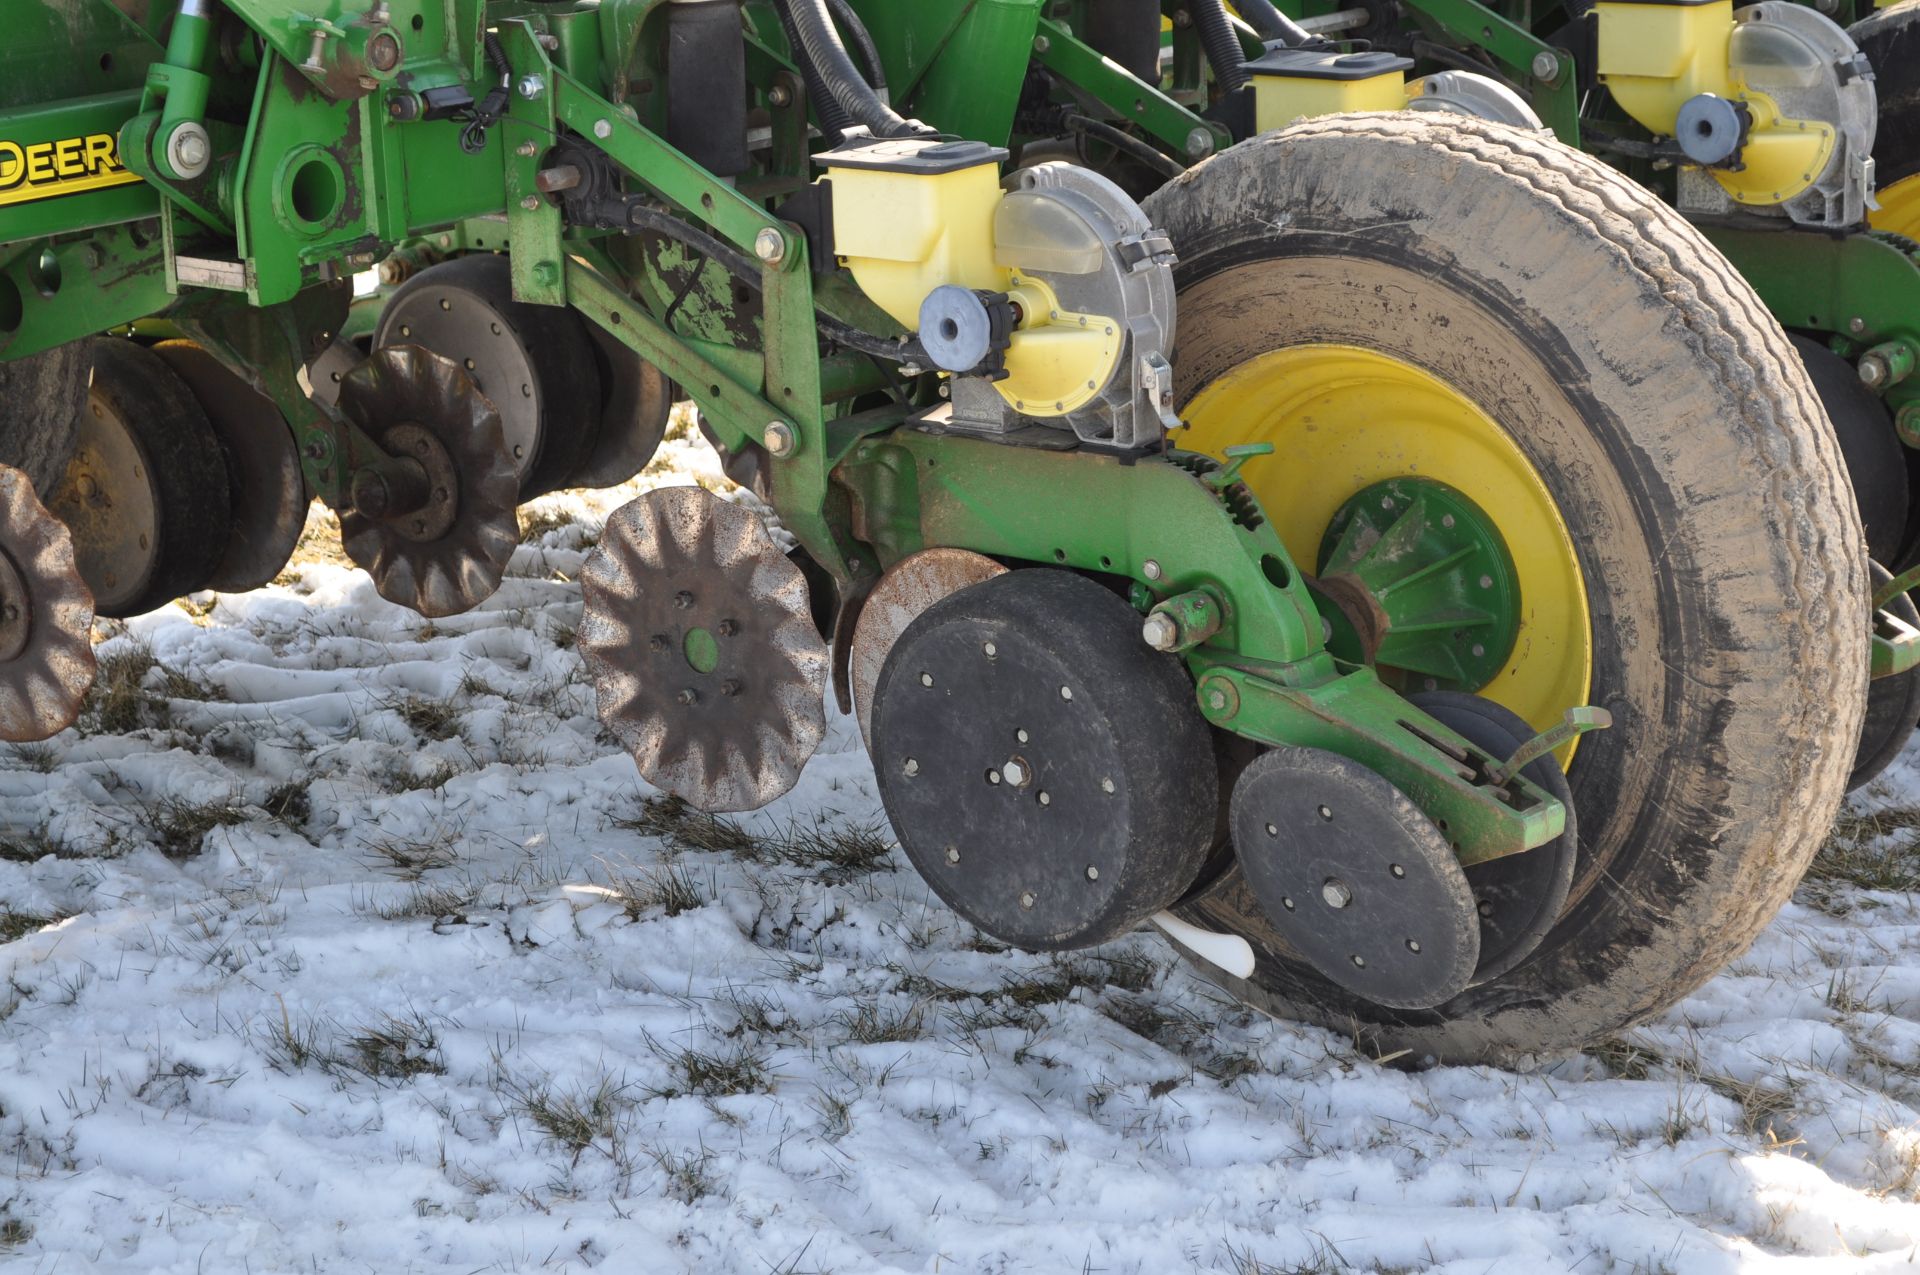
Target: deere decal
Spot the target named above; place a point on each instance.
(68, 166)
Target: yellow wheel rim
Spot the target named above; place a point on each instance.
(1900, 208)
(1340, 419)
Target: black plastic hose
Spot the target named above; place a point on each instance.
(835, 72)
(854, 29)
(1223, 47)
(834, 122)
(1272, 24)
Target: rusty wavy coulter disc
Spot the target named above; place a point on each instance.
(46, 618)
(909, 587)
(448, 557)
(702, 649)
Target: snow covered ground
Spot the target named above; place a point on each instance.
(340, 940)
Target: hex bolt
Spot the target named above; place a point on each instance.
(1041, 44)
(1200, 143)
(688, 696)
(1545, 66)
(1907, 424)
(1856, 325)
(780, 439)
(990, 649)
(531, 203)
(1160, 632)
(602, 129)
(779, 95)
(531, 87)
(189, 149)
(1150, 569)
(731, 687)
(1021, 735)
(657, 643)
(911, 769)
(770, 246)
(953, 854)
(726, 628)
(1026, 900)
(1093, 873)
(526, 150)
(1106, 786)
(1217, 701)
(1336, 893)
(926, 679)
(1015, 772)
(1413, 945)
(683, 600)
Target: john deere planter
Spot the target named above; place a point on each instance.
(1391, 550)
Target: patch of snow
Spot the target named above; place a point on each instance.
(358, 945)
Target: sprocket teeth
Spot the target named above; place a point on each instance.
(757, 713)
(45, 681)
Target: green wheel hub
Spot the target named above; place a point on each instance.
(1425, 584)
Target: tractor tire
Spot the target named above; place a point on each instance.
(40, 401)
(1891, 41)
(1701, 490)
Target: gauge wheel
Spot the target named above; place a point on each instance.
(1597, 407)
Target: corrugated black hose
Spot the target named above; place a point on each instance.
(834, 121)
(1223, 47)
(835, 72)
(855, 30)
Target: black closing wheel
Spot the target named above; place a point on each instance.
(1047, 772)
(1893, 703)
(1354, 878)
(1518, 896)
(537, 363)
(1876, 461)
(145, 492)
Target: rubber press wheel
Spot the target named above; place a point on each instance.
(1891, 41)
(145, 492)
(1598, 382)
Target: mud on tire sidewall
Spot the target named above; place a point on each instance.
(1693, 465)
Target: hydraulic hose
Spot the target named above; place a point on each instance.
(854, 29)
(1222, 46)
(834, 70)
(1272, 24)
(834, 122)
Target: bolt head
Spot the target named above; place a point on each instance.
(688, 696)
(526, 150)
(1874, 371)
(1015, 772)
(953, 854)
(1336, 893)
(602, 129)
(1150, 569)
(1545, 66)
(1041, 44)
(770, 246)
(911, 769)
(683, 600)
(531, 86)
(657, 643)
(531, 203)
(1200, 143)
(779, 95)
(731, 687)
(188, 149)
(1026, 900)
(1216, 700)
(780, 439)
(726, 628)
(1856, 325)
(1160, 632)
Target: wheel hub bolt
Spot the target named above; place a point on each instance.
(770, 246)
(911, 769)
(953, 855)
(1546, 66)
(780, 439)
(688, 696)
(1026, 900)
(1336, 893)
(657, 644)
(683, 599)
(1015, 772)
(726, 628)
(730, 687)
